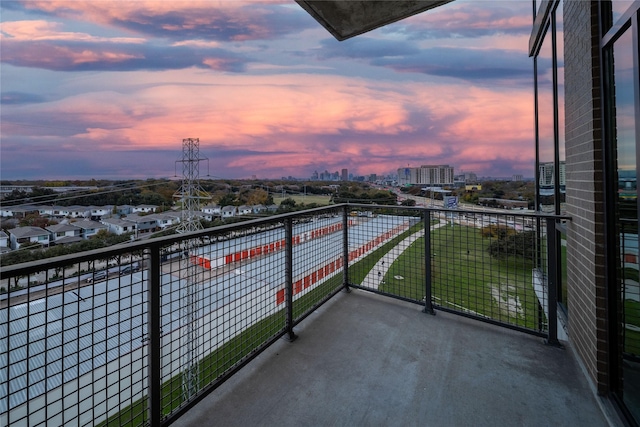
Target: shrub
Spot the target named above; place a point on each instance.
(519, 244)
(499, 231)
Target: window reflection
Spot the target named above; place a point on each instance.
(546, 145)
(619, 7)
(623, 134)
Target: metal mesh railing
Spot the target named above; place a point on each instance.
(487, 265)
(69, 330)
(137, 334)
(317, 260)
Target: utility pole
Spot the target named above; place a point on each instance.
(190, 194)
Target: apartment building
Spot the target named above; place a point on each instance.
(438, 175)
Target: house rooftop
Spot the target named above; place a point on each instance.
(68, 239)
(86, 224)
(29, 231)
(57, 228)
(364, 359)
(117, 221)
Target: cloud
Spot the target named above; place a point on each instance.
(38, 30)
(83, 56)
(41, 44)
(19, 98)
(285, 125)
(467, 19)
(407, 57)
(366, 48)
(468, 64)
(182, 20)
(300, 102)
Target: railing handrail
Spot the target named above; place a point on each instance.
(387, 234)
(63, 260)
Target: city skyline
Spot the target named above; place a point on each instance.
(90, 90)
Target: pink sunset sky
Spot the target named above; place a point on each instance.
(108, 89)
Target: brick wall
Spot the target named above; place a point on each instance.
(585, 197)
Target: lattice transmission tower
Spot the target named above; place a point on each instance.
(190, 194)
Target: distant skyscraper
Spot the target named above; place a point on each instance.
(426, 174)
(345, 175)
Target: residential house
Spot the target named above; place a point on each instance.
(46, 211)
(18, 211)
(6, 212)
(77, 211)
(59, 211)
(176, 215)
(89, 228)
(21, 235)
(119, 226)
(144, 209)
(244, 210)
(259, 209)
(123, 209)
(143, 224)
(212, 211)
(64, 233)
(163, 220)
(99, 212)
(228, 211)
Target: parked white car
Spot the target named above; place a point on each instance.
(98, 275)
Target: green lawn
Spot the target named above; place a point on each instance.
(359, 270)
(300, 199)
(466, 278)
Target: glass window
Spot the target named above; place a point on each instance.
(622, 133)
(551, 181)
(618, 8)
(546, 141)
(560, 118)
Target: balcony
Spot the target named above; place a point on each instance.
(367, 360)
(195, 328)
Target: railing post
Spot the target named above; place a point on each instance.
(345, 248)
(155, 355)
(288, 273)
(428, 303)
(552, 282)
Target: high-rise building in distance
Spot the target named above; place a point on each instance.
(426, 174)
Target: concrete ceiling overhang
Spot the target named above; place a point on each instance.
(348, 18)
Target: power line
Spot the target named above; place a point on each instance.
(30, 200)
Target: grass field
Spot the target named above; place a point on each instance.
(299, 199)
(466, 278)
(359, 270)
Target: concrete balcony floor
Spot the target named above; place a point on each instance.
(367, 360)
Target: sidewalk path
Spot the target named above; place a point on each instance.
(373, 279)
